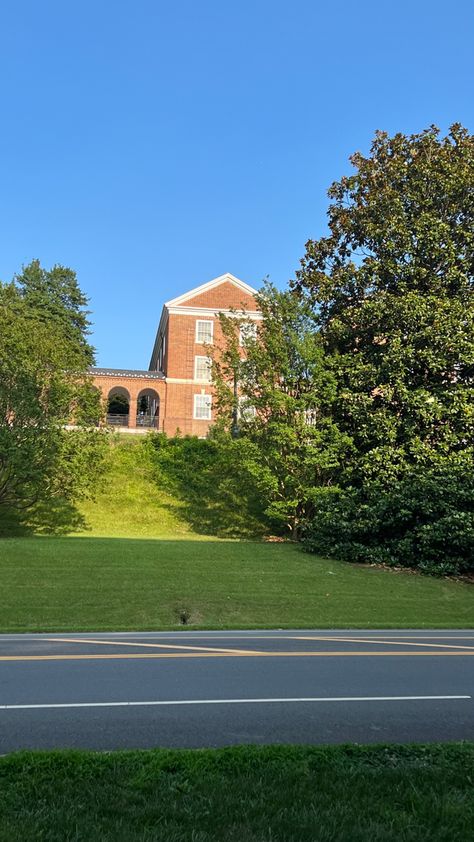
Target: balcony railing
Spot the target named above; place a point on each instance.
(144, 420)
(117, 420)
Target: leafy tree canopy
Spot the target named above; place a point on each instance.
(44, 387)
(392, 287)
(54, 294)
(278, 389)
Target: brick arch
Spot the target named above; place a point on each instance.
(148, 416)
(119, 390)
(118, 411)
(106, 380)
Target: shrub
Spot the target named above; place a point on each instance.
(424, 519)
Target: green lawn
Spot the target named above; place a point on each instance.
(133, 503)
(53, 584)
(245, 794)
(137, 564)
(129, 504)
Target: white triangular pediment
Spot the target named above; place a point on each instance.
(222, 279)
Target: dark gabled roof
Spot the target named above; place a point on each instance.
(126, 372)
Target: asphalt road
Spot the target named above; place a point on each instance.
(193, 689)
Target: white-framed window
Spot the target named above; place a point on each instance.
(248, 330)
(204, 331)
(202, 407)
(310, 417)
(247, 410)
(202, 369)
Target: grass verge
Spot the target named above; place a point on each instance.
(74, 584)
(245, 794)
(139, 565)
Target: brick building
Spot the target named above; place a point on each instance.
(176, 392)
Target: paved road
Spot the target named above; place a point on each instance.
(189, 689)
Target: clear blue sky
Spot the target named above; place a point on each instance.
(153, 145)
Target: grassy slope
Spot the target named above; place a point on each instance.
(131, 580)
(130, 505)
(248, 794)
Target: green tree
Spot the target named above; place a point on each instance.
(43, 387)
(276, 388)
(392, 288)
(54, 294)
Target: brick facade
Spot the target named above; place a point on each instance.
(172, 381)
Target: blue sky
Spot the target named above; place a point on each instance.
(152, 146)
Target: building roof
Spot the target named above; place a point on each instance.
(126, 372)
(193, 293)
(222, 279)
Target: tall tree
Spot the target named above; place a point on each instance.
(43, 387)
(392, 287)
(54, 294)
(275, 386)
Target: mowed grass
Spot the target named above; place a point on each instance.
(137, 564)
(60, 584)
(129, 504)
(245, 794)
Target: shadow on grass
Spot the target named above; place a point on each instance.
(85, 583)
(214, 494)
(56, 517)
(225, 517)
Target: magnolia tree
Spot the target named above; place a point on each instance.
(392, 292)
(355, 399)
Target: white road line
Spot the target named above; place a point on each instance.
(171, 702)
(103, 642)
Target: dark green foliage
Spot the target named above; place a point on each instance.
(211, 479)
(424, 519)
(57, 299)
(245, 794)
(118, 405)
(393, 291)
(44, 386)
(292, 444)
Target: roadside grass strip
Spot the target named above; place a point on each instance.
(57, 585)
(390, 793)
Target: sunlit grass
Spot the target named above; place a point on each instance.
(118, 583)
(138, 565)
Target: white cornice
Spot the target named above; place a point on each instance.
(222, 279)
(188, 382)
(210, 311)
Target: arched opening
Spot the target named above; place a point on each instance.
(148, 409)
(118, 407)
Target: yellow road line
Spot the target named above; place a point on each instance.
(384, 642)
(148, 645)
(427, 637)
(159, 655)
